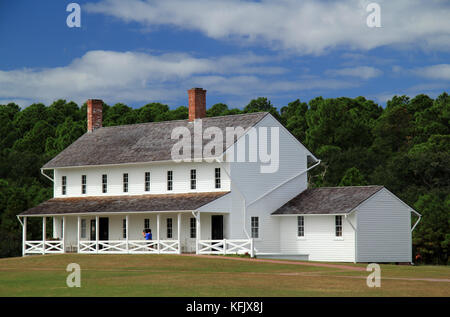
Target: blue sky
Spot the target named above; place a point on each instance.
(139, 51)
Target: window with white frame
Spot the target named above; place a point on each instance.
(104, 183)
(63, 185)
(169, 180)
(83, 228)
(83, 184)
(338, 226)
(193, 179)
(124, 228)
(193, 228)
(217, 177)
(146, 223)
(300, 226)
(147, 181)
(125, 182)
(255, 227)
(169, 228)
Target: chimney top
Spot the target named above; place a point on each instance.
(197, 103)
(94, 114)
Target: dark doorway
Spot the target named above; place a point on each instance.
(217, 227)
(93, 238)
(103, 229)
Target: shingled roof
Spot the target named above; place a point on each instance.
(139, 143)
(111, 204)
(328, 200)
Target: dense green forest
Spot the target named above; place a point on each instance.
(404, 146)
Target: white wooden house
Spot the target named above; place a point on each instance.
(113, 182)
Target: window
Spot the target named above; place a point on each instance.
(62, 227)
(147, 181)
(124, 228)
(146, 223)
(193, 228)
(125, 182)
(104, 183)
(169, 228)
(300, 226)
(83, 228)
(83, 184)
(338, 226)
(255, 227)
(217, 175)
(169, 180)
(193, 179)
(63, 185)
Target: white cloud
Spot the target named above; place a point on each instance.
(309, 26)
(364, 72)
(140, 77)
(441, 71)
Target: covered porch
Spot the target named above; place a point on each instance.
(115, 224)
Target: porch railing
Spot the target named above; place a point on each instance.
(41, 247)
(130, 246)
(226, 247)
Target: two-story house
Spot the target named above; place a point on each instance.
(114, 182)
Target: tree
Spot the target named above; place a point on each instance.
(353, 177)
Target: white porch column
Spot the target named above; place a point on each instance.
(78, 233)
(64, 234)
(198, 233)
(44, 232)
(157, 229)
(24, 235)
(96, 233)
(126, 230)
(179, 232)
(55, 228)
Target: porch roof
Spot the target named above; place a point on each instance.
(119, 204)
(327, 200)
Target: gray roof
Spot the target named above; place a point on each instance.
(328, 200)
(138, 203)
(138, 143)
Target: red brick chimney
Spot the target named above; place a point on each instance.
(197, 103)
(94, 114)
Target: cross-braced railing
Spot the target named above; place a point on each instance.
(225, 246)
(130, 246)
(42, 247)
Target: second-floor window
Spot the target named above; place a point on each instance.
(217, 177)
(104, 183)
(338, 226)
(193, 179)
(147, 181)
(64, 185)
(83, 184)
(169, 228)
(169, 180)
(125, 182)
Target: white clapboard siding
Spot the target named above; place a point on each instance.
(136, 179)
(319, 242)
(253, 184)
(384, 229)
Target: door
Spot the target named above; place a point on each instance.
(103, 229)
(217, 227)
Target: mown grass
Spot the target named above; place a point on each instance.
(172, 275)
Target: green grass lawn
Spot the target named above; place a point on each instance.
(173, 275)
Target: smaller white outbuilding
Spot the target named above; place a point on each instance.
(347, 224)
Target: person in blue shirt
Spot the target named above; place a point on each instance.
(147, 234)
